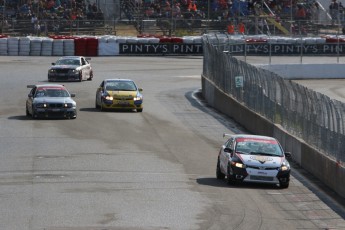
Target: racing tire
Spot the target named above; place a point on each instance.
(283, 185)
(219, 174)
(101, 107)
(97, 106)
(90, 78)
(27, 112)
(33, 115)
(229, 178)
(139, 110)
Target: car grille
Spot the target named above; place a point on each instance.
(262, 167)
(57, 105)
(61, 70)
(262, 178)
(123, 98)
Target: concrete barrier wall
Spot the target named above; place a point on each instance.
(325, 169)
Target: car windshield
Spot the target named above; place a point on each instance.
(270, 148)
(67, 62)
(52, 93)
(120, 86)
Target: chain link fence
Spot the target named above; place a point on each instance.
(309, 115)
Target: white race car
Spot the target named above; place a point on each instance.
(253, 158)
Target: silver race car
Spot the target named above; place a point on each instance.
(71, 68)
(253, 158)
(50, 101)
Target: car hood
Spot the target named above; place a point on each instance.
(123, 94)
(263, 161)
(54, 100)
(64, 67)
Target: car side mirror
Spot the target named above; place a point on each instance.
(227, 150)
(140, 89)
(72, 94)
(53, 63)
(288, 155)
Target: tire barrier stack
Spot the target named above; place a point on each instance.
(13, 46)
(109, 45)
(3, 46)
(24, 46)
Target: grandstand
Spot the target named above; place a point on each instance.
(169, 17)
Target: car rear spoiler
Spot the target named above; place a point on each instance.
(33, 86)
(227, 135)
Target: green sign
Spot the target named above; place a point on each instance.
(239, 81)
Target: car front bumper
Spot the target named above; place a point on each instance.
(63, 77)
(272, 176)
(122, 104)
(55, 113)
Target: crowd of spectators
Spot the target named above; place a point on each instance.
(230, 9)
(43, 12)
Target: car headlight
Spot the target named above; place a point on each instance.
(74, 71)
(41, 105)
(138, 98)
(238, 164)
(68, 105)
(109, 98)
(52, 71)
(285, 166)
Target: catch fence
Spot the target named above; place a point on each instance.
(309, 115)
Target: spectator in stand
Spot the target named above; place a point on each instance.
(192, 6)
(94, 8)
(315, 11)
(230, 28)
(333, 9)
(176, 11)
(301, 14)
(37, 28)
(34, 20)
(241, 28)
(341, 13)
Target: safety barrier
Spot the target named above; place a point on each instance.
(111, 45)
(98, 45)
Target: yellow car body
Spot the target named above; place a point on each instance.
(119, 94)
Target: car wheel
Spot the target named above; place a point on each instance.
(140, 110)
(219, 173)
(27, 112)
(102, 108)
(283, 185)
(97, 106)
(33, 115)
(90, 78)
(229, 177)
(80, 77)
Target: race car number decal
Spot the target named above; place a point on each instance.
(261, 159)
